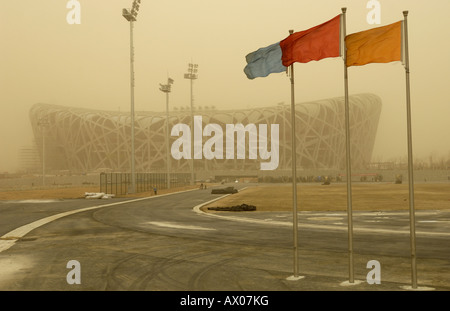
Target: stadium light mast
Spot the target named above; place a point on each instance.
(131, 16)
(166, 88)
(192, 75)
(43, 123)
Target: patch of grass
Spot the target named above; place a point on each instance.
(317, 197)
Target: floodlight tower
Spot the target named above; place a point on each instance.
(131, 16)
(166, 88)
(43, 123)
(192, 75)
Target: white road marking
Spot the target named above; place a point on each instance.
(176, 225)
(33, 201)
(198, 210)
(7, 240)
(324, 218)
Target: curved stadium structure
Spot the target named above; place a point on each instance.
(85, 140)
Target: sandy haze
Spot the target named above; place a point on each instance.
(44, 59)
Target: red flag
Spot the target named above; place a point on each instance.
(316, 43)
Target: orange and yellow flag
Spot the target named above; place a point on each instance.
(378, 45)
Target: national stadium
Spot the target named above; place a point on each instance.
(83, 140)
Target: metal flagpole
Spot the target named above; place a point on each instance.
(43, 156)
(131, 15)
(133, 170)
(192, 135)
(192, 75)
(166, 88)
(294, 175)
(348, 158)
(410, 159)
(167, 137)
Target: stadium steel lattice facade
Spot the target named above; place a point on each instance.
(85, 140)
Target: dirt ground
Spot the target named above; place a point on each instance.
(317, 197)
(71, 193)
(278, 197)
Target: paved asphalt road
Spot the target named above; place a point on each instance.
(162, 244)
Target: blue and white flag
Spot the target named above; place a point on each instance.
(264, 61)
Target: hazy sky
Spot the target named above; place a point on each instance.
(44, 59)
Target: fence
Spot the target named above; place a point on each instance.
(119, 183)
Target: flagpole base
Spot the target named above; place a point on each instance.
(419, 288)
(348, 283)
(294, 278)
